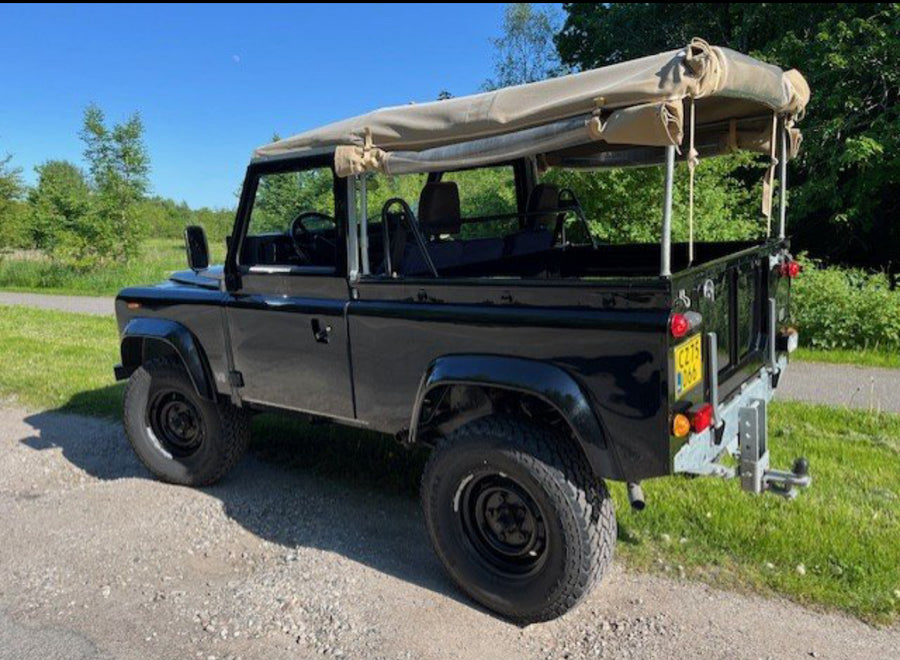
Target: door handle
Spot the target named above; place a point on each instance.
(320, 332)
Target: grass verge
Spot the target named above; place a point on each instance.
(835, 546)
(859, 358)
(160, 257)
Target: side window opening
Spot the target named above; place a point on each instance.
(292, 222)
(468, 219)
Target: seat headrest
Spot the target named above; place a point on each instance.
(439, 208)
(543, 197)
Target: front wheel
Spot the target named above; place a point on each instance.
(517, 517)
(179, 436)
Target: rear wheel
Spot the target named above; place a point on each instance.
(517, 517)
(179, 436)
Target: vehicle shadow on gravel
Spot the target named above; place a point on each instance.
(301, 485)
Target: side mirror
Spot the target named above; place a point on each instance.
(197, 248)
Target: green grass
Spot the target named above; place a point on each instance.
(52, 359)
(844, 530)
(158, 259)
(861, 358)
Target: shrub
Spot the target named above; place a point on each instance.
(845, 308)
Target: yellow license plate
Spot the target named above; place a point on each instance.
(688, 365)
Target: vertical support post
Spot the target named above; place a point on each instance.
(665, 268)
(782, 181)
(712, 362)
(772, 354)
(364, 223)
(753, 429)
(352, 229)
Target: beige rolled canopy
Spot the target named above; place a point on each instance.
(640, 103)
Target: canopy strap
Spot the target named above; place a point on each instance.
(692, 162)
(769, 180)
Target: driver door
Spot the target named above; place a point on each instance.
(287, 309)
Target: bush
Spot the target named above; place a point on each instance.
(845, 308)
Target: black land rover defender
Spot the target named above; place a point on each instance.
(366, 284)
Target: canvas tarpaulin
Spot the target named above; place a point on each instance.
(639, 102)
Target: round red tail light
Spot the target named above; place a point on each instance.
(679, 325)
(790, 269)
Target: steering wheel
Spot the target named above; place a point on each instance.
(301, 236)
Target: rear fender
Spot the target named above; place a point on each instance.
(546, 381)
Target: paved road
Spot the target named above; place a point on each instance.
(843, 385)
(99, 560)
(83, 304)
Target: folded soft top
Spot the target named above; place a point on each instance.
(640, 102)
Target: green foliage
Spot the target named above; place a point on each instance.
(167, 218)
(119, 166)
(62, 219)
(625, 205)
(13, 221)
(486, 192)
(281, 197)
(846, 184)
(845, 309)
(525, 52)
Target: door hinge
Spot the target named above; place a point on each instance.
(236, 378)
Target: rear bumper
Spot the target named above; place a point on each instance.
(741, 431)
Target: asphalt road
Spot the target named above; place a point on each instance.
(99, 560)
(866, 388)
(83, 304)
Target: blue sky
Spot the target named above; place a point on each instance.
(213, 82)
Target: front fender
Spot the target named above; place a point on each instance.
(138, 330)
(544, 380)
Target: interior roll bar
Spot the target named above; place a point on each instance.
(410, 218)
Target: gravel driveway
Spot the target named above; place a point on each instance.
(99, 560)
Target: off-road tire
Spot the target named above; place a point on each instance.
(226, 427)
(574, 506)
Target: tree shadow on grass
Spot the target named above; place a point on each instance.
(315, 485)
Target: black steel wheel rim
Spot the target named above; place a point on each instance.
(503, 525)
(176, 423)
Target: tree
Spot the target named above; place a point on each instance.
(13, 229)
(61, 220)
(525, 51)
(119, 165)
(845, 191)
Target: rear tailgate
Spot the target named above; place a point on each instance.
(732, 294)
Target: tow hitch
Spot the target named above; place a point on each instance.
(756, 477)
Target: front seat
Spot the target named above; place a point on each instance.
(439, 215)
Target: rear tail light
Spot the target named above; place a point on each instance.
(682, 324)
(681, 425)
(696, 420)
(679, 325)
(701, 417)
(791, 269)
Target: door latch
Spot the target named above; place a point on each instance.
(320, 332)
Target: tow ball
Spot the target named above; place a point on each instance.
(783, 483)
